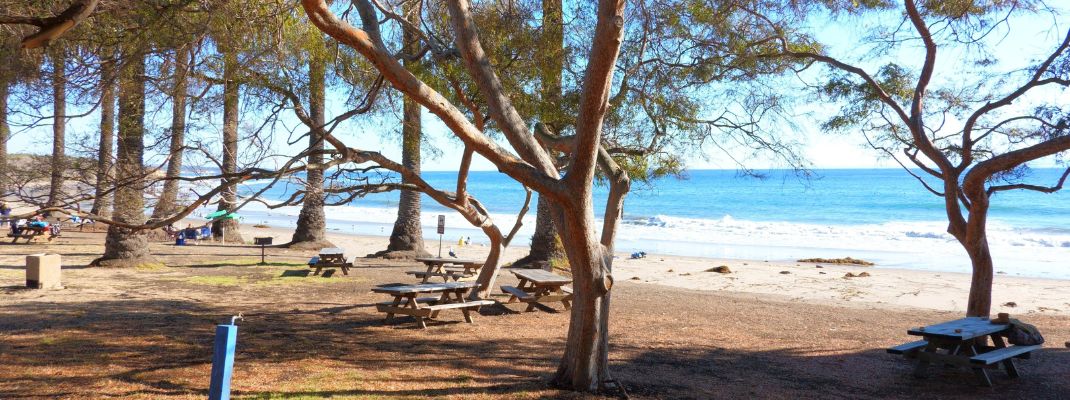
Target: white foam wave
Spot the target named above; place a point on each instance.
(906, 244)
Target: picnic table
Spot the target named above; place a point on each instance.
(539, 286)
(407, 302)
(330, 257)
(447, 268)
(965, 341)
(30, 233)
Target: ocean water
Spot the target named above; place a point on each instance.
(882, 215)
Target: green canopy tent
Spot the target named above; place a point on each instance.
(221, 215)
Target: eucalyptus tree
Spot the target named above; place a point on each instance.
(124, 247)
(407, 236)
(58, 56)
(934, 96)
(585, 364)
(106, 137)
(166, 204)
(18, 68)
(596, 125)
(311, 230)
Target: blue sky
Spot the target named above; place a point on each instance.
(1028, 38)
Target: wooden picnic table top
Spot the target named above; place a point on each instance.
(541, 277)
(332, 251)
(960, 329)
(424, 288)
(447, 260)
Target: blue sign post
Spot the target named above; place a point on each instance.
(226, 339)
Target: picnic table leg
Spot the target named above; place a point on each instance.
(564, 301)
(538, 293)
(444, 298)
(980, 372)
(413, 304)
(465, 311)
(1008, 364)
(397, 302)
(430, 269)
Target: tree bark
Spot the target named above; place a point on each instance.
(102, 200)
(546, 247)
(407, 239)
(584, 366)
(979, 303)
(311, 232)
(227, 229)
(125, 247)
(168, 202)
(5, 131)
(59, 122)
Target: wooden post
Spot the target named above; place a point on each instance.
(226, 339)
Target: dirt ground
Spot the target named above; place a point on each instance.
(147, 334)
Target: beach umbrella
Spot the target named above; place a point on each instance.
(222, 214)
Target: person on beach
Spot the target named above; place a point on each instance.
(5, 212)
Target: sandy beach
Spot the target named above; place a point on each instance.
(677, 331)
(811, 282)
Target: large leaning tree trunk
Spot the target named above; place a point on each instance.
(59, 123)
(311, 232)
(101, 197)
(125, 247)
(584, 365)
(227, 229)
(407, 237)
(167, 204)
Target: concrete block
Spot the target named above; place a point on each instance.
(43, 271)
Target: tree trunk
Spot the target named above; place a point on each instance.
(407, 239)
(311, 232)
(545, 246)
(585, 366)
(125, 247)
(227, 229)
(102, 201)
(4, 133)
(167, 204)
(980, 300)
(59, 121)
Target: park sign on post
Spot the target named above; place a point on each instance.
(441, 230)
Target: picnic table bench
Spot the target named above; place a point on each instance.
(539, 286)
(457, 269)
(966, 343)
(31, 233)
(407, 302)
(330, 257)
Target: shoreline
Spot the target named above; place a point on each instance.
(904, 245)
(885, 287)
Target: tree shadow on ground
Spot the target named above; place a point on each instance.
(704, 373)
(162, 348)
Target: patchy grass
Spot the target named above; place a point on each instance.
(151, 267)
(216, 280)
(244, 262)
(274, 277)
